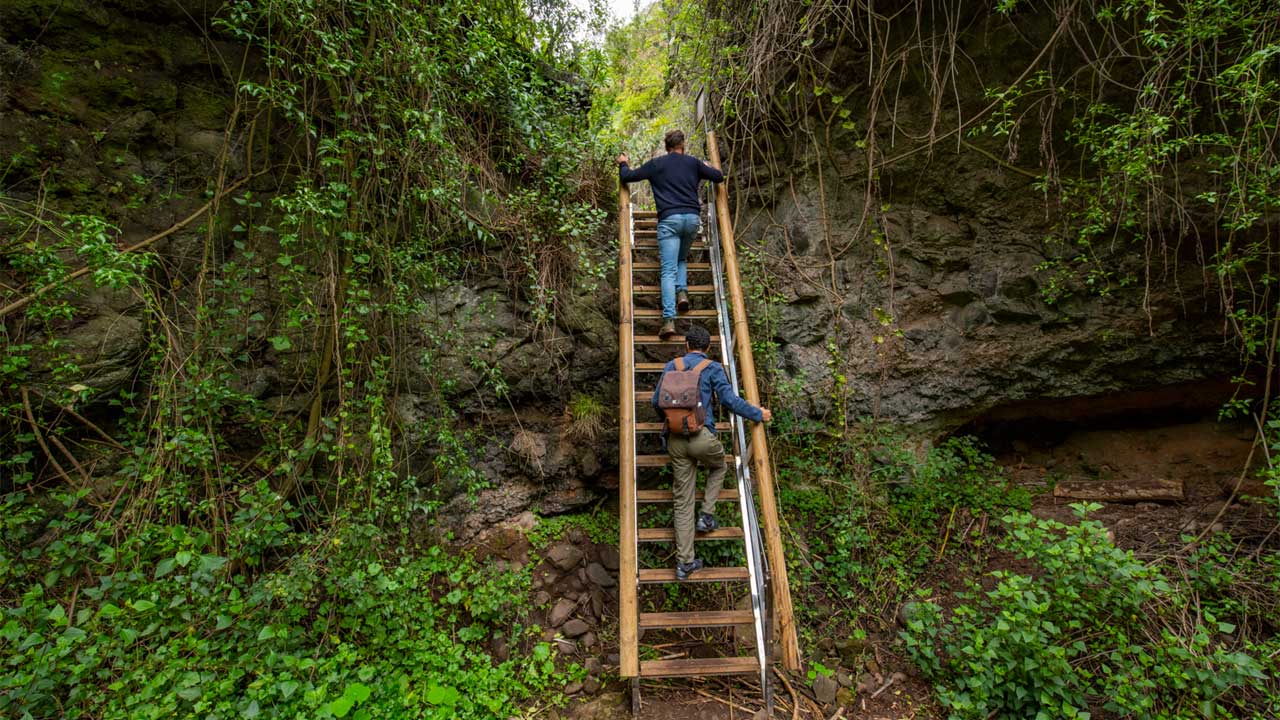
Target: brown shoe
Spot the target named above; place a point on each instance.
(668, 330)
(682, 301)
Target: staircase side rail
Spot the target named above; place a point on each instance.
(760, 451)
(628, 615)
(756, 570)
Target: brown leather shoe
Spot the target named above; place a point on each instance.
(682, 301)
(668, 330)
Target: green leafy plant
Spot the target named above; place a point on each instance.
(1093, 627)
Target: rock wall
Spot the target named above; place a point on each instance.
(927, 294)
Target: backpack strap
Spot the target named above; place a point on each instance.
(680, 364)
(701, 366)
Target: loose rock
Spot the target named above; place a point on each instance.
(561, 612)
(591, 686)
(609, 557)
(573, 688)
(600, 576)
(825, 689)
(575, 627)
(564, 556)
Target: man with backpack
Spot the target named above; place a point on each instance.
(674, 178)
(683, 399)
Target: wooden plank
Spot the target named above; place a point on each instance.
(657, 289)
(628, 611)
(699, 667)
(665, 496)
(643, 427)
(649, 576)
(771, 528)
(665, 460)
(669, 534)
(642, 244)
(1136, 490)
(649, 266)
(675, 340)
(704, 618)
(656, 313)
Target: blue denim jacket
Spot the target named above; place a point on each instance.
(713, 380)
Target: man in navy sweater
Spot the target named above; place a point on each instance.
(674, 178)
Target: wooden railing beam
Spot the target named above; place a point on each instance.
(628, 617)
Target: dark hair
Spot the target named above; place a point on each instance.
(697, 337)
(674, 139)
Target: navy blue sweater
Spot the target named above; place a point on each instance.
(674, 178)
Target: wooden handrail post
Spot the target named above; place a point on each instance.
(628, 618)
(759, 448)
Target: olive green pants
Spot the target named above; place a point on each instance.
(686, 454)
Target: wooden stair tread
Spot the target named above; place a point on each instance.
(652, 244)
(648, 265)
(697, 667)
(656, 367)
(712, 574)
(665, 460)
(666, 496)
(675, 340)
(657, 289)
(704, 618)
(669, 534)
(656, 313)
(657, 427)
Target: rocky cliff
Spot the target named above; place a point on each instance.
(911, 278)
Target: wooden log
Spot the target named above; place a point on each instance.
(628, 615)
(1139, 490)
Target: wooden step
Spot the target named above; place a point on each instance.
(665, 460)
(657, 290)
(704, 618)
(657, 427)
(650, 576)
(657, 367)
(643, 244)
(666, 496)
(699, 667)
(656, 313)
(651, 266)
(675, 340)
(669, 534)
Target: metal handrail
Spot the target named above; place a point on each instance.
(757, 567)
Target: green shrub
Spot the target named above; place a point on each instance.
(338, 630)
(878, 519)
(1093, 627)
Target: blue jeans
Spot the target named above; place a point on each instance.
(675, 235)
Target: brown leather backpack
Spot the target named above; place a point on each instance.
(680, 399)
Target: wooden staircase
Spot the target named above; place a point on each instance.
(717, 296)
